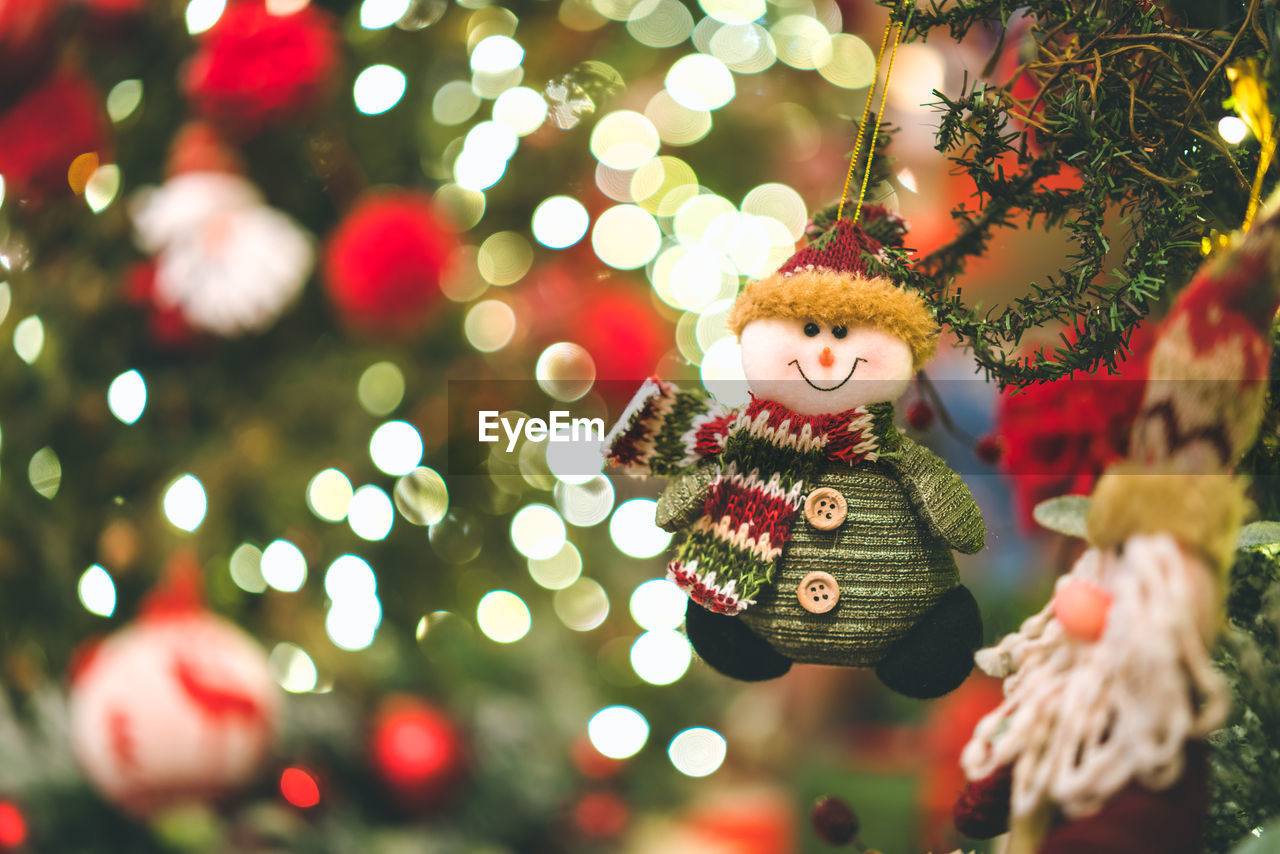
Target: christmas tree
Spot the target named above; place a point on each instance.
(266, 267)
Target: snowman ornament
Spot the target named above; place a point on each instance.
(810, 529)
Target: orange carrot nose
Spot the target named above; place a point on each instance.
(826, 359)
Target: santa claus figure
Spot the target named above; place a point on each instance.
(1099, 744)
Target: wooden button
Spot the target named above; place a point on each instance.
(825, 508)
(818, 592)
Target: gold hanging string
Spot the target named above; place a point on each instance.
(1249, 97)
(866, 111)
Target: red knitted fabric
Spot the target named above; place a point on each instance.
(846, 253)
(982, 810)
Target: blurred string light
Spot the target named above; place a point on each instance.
(721, 372)
(503, 617)
(663, 184)
(633, 530)
(907, 179)
(582, 606)
(489, 325)
(850, 63)
(802, 42)
(734, 11)
(496, 54)
(379, 14)
(354, 611)
(745, 48)
(292, 668)
(283, 566)
(1232, 129)
(329, 495)
(559, 222)
(658, 605)
(677, 124)
(185, 503)
(299, 788)
(102, 187)
(203, 14)
(422, 497)
(565, 371)
(660, 23)
(697, 751)
(454, 103)
(585, 504)
(464, 209)
(396, 448)
(370, 513)
(504, 258)
(521, 109)
(123, 99)
(624, 140)
(700, 82)
(378, 88)
(127, 397)
(97, 591)
(6, 295)
(1, 199)
(537, 531)
(618, 732)
(246, 568)
(28, 338)
(380, 388)
(558, 571)
(626, 237)
(661, 657)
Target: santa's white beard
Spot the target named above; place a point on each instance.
(1082, 720)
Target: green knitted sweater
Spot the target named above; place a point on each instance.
(892, 557)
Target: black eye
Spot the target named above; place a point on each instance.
(811, 329)
(839, 331)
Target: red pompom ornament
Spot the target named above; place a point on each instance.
(13, 826)
(45, 130)
(920, 415)
(256, 69)
(990, 449)
(177, 707)
(834, 821)
(601, 815)
(384, 263)
(417, 752)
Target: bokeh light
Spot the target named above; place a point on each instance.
(585, 504)
(661, 657)
(378, 14)
(350, 577)
(329, 495)
(660, 23)
(352, 624)
(102, 187)
(127, 396)
(582, 606)
(744, 48)
(378, 88)
(299, 788)
(185, 503)
(626, 237)
(245, 566)
(503, 616)
(203, 14)
(560, 222)
(558, 571)
(618, 732)
(677, 124)
(292, 668)
(454, 103)
(489, 325)
(28, 338)
(700, 82)
(422, 497)
(44, 472)
(658, 605)
(283, 566)
(920, 70)
(537, 531)
(504, 258)
(396, 448)
(633, 529)
(496, 54)
(802, 42)
(380, 388)
(97, 591)
(123, 99)
(697, 751)
(850, 64)
(624, 140)
(521, 109)
(1232, 129)
(370, 513)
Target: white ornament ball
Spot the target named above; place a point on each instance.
(173, 709)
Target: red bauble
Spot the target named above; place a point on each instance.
(13, 826)
(26, 44)
(417, 752)
(255, 69)
(384, 262)
(834, 821)
(47, 128)
(1058, 437)
(920, 415)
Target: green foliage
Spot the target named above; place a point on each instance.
(1124, 118)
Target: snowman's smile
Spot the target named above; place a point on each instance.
(796, 362)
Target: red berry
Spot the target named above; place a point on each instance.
(990, 449)
(834, 821)
(920, 415)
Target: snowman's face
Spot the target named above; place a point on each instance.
(815, 369)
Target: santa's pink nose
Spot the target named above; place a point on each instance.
(1082, 607)
(826, 359)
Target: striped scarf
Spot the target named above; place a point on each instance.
(765, 455)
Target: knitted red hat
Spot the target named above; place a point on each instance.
(839, 279)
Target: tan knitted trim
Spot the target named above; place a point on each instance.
(832, 298)
(1202, 511)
